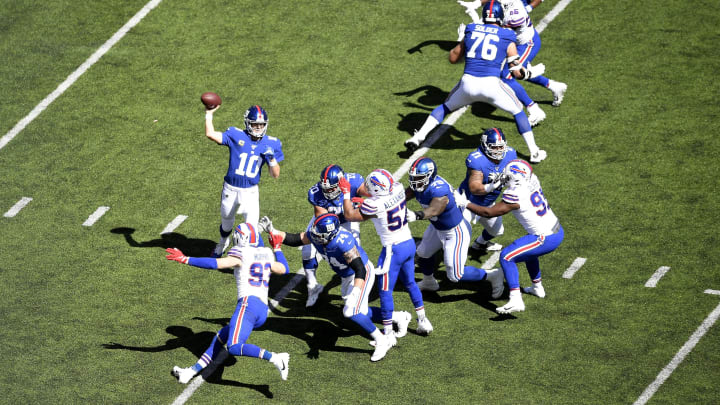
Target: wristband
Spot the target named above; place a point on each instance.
(203, 262)
(208, 114)
(529, 8)
(419, 214)
(490, 187)
(272, 162)
(346, 196)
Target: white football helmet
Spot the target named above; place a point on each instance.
(379, 182)
(245, 235)
(517, 171)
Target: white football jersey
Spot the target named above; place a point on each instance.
(390, 215)
(517, 18)
(534, 213)
(253, 276)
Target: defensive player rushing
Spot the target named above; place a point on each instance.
(525, 198)
(325, 196)
(483, 183)
(387, 209)
(486, 48)
(528, 45)
(252, 267)
(249, 150)
(346, 258)
(448, 229)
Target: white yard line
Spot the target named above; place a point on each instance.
(74, 76)
(17, 207)
(174, 224)
(652, 282)
(491, 261)
(452, 118)
(95, 216)
(574, 267)
(680, 356)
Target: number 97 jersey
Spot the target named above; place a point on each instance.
(534, 213)
(253, 276)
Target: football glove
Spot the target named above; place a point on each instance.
(460, 200)
(344, 187)
(266, 225)
(275, 241)
(177, 255)
(410, 216)
(470, 7)
(461, 32)
(269, 154)
(357, 201)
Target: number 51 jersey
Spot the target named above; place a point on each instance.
(534, 213)
(253, 276)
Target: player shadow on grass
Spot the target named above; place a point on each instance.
(189, 246)
(196, 343)
(430, 97)
(446, 46)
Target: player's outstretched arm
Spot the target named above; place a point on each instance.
(210, 131)
(227, 262)
(498, 209)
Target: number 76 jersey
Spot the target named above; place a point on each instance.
(534, 213)
(390, 215)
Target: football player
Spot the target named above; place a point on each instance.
(325, 196)
(387, 209)
(523, 197)
(249, 149)
(448, 229)
(252, 267)
(486, 48)
(483, 184)
(348, 260)
(528, 45)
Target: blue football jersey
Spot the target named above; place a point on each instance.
(478, 161)
(452, 215)
(316, 196)
(246, 160)
(334, 251)
(486, 49)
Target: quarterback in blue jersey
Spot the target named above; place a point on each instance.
(252, 265)
(448, 230)
(325, 197)
(482, 182)
(485, 48)
(249, 149)
(349, 261)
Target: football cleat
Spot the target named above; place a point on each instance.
(313, 294)
(282, 362)
(382, 346)
(515, 304)
(184, 375)
(220, 248)
(538, 156)
(489, 246)
(536, 289)
(412, 144)
(428, 284)
(535, 114)
(496, 279)
(424, 326)
(402, 319)
(558, 89)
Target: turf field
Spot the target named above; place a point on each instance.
(95, 314)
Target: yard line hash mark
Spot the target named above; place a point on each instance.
(174, 224)
(17, 207)
(95, 216)
(680, 356)
(195, 384)
(652, 282)
(74, 76)
(574, 267)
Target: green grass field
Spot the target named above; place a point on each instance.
(97, 315)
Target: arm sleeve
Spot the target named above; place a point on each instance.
(293, 239)
(357, 265)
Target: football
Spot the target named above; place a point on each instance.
(211, 100)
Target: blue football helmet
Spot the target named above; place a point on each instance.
(330, 181)
(245, 235)
(256, 122)
(492, 12)
(493, 143)
(325, 227)
(421, 173)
